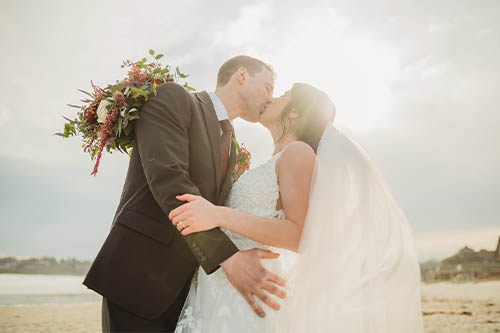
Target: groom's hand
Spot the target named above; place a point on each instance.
(246, 273)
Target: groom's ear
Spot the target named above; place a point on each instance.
(241, 75)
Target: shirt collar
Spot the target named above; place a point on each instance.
(220, 109)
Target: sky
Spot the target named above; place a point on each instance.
(415, 82)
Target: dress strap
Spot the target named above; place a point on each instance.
(282, 150)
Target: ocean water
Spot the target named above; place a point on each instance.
(23, 289)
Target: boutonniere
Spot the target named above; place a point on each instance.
(243, 157)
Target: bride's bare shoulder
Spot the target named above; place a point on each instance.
(297, 155)
(297, 149)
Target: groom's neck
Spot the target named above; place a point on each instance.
(230, 101)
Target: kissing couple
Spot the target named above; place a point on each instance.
(310, 241)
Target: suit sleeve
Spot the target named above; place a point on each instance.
(163, 143)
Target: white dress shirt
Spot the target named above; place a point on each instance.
(220, 109)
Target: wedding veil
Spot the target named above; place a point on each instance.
(357, 270)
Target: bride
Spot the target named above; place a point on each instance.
(345, 247)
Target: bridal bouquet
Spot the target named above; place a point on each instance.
(108, 115)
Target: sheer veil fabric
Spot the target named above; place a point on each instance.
(357, 269)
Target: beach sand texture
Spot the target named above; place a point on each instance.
(461, 308)
(51, 318)
(447, 307)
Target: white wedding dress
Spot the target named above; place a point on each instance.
(213, 305)
(356, 270)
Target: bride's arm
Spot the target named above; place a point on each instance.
(294, 170)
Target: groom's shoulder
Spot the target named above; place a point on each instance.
(174, 95)
(172, 89)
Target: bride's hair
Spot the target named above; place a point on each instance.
(309, 103)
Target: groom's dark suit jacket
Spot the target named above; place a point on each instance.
(145, 262)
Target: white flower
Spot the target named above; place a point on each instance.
(102, 111)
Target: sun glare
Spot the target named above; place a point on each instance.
(355, 70)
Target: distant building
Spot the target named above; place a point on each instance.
(466, 265)
(468, 257)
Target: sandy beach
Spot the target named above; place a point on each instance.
(51, 318)
(461, 308)
(447, 307)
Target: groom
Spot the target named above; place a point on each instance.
(184, 145)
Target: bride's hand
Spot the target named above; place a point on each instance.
(198, 214)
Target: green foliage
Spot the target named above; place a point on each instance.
(127, 97)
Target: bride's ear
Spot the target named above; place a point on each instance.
(293, 115)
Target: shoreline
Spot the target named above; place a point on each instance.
(48, 299)
(447, 308)
(46, 304)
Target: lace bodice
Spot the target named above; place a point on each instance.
(255, 192)
(213, 305)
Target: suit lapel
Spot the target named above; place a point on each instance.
(227, 182)
(213, 131)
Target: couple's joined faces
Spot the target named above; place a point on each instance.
(257, 93)
(273, 110)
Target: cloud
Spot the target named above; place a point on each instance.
(442, 244)
(56, 210)
(246, 31)
(416, 83)
(6, 116)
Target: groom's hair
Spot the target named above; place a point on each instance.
(230, 67)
